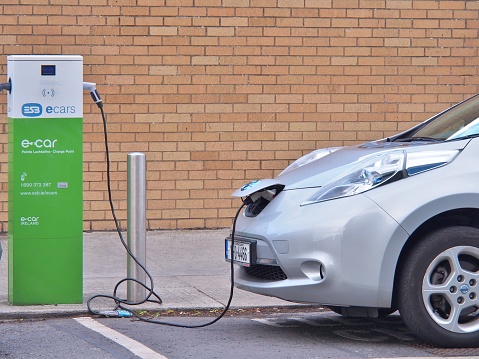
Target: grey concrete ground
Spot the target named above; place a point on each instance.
(188, 269)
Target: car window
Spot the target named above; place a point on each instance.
(458, 122)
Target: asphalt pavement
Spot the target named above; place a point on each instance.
(187, 266)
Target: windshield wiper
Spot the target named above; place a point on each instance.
(465, 137)
(412, 139)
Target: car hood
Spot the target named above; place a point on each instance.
(324, 170)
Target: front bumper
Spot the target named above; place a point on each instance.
(338, 252)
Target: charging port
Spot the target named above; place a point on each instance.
(259, 200)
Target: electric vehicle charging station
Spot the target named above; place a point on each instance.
(45, 179)
(45, 188)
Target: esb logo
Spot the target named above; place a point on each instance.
(31, 109)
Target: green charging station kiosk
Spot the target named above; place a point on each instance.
(45, 179)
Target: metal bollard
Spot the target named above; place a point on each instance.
(136, 224)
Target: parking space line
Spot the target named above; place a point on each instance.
(132, 345)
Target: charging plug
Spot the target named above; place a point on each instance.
(6, 86)
(253, 197)
(91, 86)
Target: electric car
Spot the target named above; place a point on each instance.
(372, 228)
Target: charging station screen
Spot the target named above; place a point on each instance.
(48, 70)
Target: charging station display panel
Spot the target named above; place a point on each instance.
(45, 184)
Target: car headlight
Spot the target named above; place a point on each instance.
(376, 170)
(310, 157)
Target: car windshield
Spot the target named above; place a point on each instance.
(461, 121)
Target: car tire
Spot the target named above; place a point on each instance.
(439, 288)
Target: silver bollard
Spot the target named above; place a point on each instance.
(136, 224)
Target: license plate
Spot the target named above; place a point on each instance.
(244, 252)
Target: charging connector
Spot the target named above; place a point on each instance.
(91, 86)
(6, 86)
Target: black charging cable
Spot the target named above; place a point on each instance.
(118, 309)
(228, 304)
(121, 308)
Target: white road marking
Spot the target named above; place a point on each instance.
(132, 345)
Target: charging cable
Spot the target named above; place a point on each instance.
(121, 305)
(118, 311)
(228, 304)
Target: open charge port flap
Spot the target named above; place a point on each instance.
(259, 200)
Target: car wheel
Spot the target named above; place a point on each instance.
(439, 288)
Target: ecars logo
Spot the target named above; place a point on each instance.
(31, 109)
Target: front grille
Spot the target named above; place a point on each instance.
(273, 273)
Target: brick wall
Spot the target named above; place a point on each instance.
(220, 92)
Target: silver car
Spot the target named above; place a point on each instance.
(369, 229)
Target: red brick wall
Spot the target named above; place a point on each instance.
(220, 92)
